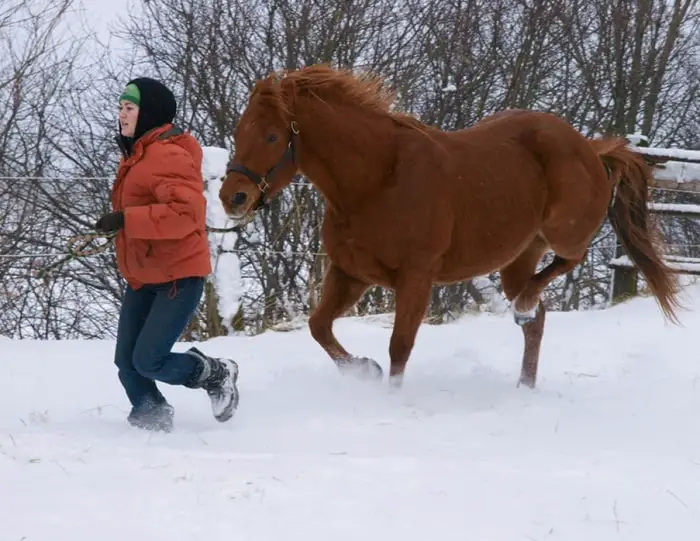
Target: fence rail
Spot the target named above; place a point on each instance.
(676, 169)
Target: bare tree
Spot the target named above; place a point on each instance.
(606, 66)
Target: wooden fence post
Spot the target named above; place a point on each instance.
(624, 279)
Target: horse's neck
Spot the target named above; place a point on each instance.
(346, 154)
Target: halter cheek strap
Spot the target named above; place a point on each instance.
(261, 180)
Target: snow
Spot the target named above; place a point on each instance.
(637, 138)
(678, 172)
(683, 165)
(671, 153)
(675, 208)
(607, 447)
(497, 303)
(226, 274)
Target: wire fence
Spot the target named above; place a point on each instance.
(262, 251)
(297, 272)
(249, 251)
(47, 179)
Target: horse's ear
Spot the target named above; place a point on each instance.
(258, 86)
(277, 76)
(265, 82)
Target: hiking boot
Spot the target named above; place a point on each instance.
(218, 378)
(155, 417)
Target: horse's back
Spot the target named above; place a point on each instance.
(550, 141)
(544, 134)
(506, 113)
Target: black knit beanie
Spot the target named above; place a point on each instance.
(156, 106)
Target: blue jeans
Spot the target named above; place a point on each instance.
(151, 320)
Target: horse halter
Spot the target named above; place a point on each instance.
(261, 180)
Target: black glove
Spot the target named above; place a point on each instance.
(109, 223)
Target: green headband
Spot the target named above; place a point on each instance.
(131, 93)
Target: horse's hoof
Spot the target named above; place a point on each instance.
(527, 381)
(362, 368)
(395, 382)
(523, 318)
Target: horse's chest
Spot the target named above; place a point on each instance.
(358, 253)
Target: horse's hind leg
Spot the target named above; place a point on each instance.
(340, 292)
(576, 207)
(527, 301)
(569, 246)
(514, 279)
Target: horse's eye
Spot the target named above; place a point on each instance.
(271, 138)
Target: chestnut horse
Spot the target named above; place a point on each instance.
(409, 205)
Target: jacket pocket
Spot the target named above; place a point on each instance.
(160, 256)
(140, 251)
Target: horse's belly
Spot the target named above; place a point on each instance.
(467, 268)
(479, 252)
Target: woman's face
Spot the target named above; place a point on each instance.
(128, 115)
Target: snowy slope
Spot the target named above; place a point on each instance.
(607, 448)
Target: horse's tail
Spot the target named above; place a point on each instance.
(629, 213)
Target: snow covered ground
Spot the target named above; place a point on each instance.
(608, 446)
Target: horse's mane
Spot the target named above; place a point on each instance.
(365, 90)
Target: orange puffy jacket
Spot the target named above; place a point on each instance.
(159, 187)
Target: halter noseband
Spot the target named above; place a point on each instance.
(261, 180)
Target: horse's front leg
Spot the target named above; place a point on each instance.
(412, 298)
(340, 293)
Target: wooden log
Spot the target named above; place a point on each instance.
(663, 155)
(676, 169)
(687, 265)
(675, 209)
(690, 186)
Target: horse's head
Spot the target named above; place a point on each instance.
(265, 159)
